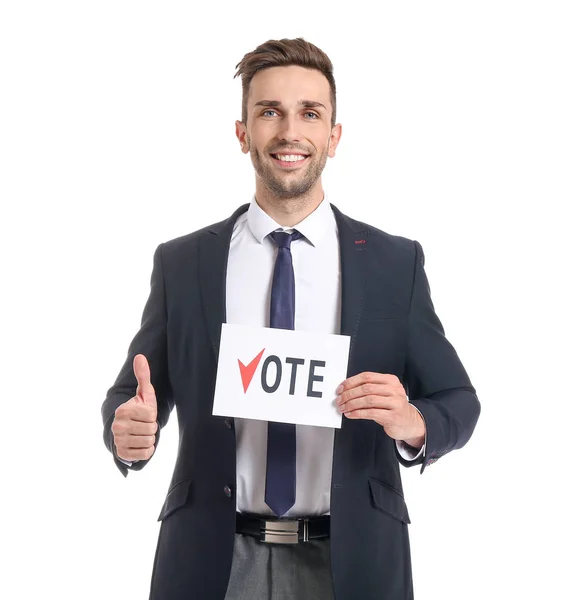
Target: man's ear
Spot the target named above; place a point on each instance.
(334, 140)
(241, 133)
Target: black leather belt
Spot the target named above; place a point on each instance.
(284, 530)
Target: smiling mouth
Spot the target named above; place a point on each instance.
(290, 160)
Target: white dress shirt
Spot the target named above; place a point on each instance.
(317, 270)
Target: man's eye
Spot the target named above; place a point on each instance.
(269, 111)
(312, 115)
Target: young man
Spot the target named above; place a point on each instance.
(289, 259)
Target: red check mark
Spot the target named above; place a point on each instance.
(248, 371)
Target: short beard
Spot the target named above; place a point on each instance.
(288, 190)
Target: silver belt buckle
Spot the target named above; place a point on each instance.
(280, 532)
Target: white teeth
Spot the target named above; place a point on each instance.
(289, 157)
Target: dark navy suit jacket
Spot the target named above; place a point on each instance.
(387, 311)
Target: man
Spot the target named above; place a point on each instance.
(289, 259)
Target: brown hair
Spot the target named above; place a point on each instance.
(284, 53)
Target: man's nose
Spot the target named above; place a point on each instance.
(289, 129)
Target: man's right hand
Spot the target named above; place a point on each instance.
(135, 421)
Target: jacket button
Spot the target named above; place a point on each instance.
(228, 491)
(229, 423)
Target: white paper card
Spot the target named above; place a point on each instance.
(280, 375)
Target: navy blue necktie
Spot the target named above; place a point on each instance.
(281, 442)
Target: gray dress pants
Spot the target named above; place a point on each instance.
(263, 571)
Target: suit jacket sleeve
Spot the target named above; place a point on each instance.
(435, 379)
(150, 340)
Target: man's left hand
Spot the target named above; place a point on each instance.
(382, 398)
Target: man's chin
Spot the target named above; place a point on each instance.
(285, 185)
(285, 192)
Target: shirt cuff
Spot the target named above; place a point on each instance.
(409, 452)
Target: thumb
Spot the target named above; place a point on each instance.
(144, 390)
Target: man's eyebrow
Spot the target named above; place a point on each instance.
(303, 103)
(311, 104)
(268, 103)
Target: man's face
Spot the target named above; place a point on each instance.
(288, 130)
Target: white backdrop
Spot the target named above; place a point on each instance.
(117, 133)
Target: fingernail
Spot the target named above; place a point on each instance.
(340, 389)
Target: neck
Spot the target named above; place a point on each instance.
(288, 212)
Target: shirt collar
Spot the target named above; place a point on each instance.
(314, 227)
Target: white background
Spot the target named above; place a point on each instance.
(460, 130)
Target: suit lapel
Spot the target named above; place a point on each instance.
(353, 243)
(213, 257)
(214, 254)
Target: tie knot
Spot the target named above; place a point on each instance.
(283, 239)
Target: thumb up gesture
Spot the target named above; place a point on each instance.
(135, 421)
